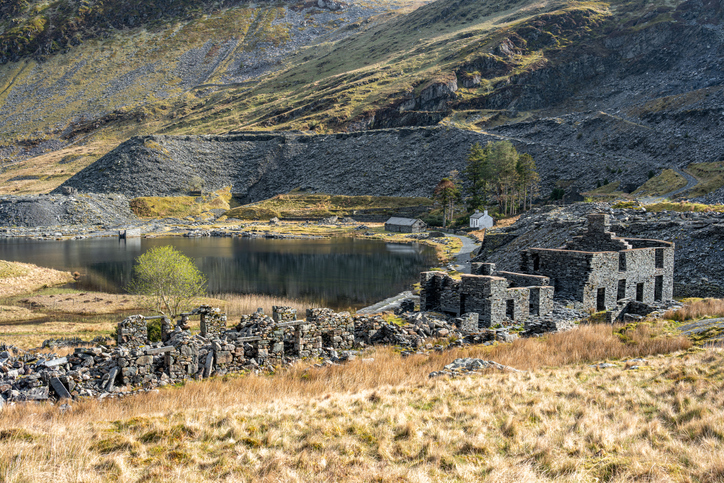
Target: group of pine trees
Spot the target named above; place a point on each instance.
(496, 173)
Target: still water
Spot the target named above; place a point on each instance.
(337, 273)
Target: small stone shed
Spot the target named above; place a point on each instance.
(405, 225)
(600, 270)
(481, 220)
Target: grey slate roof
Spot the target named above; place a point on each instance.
(401, 221)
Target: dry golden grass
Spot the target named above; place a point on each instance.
(18, 278)
(506, 222)
(479, 234)
(697, 310)
(30, 333)
(85, 303)
(10, 313)
(46, 172)
(235, 304)
(385, 420)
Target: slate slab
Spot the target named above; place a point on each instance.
(56, 362)
(112, 379)
(59, 388)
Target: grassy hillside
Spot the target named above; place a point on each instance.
(383, 419)
(65, 107)
(322, 206)
(212, 68)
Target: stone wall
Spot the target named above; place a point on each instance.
(283, 314)
(611, 269)
(213, 322)
(132, 332)
(439, 293)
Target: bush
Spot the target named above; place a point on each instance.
(168, 278)
(154, 330)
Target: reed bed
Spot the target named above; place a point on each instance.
(239, 304)
(697, 310)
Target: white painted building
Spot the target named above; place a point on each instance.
(481, 220)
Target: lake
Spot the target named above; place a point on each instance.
(336, 273)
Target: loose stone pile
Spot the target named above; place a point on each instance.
(467, 365)
(560, 319)
(259, 342)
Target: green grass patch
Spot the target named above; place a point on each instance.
(11, 270)
(684, 207)
(322, 206)
(607, 192)
(665, 182)
(180, 206)
(626, 205)
(710, 176)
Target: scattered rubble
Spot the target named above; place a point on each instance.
(74, 342)
(468, 365)
(257, 343)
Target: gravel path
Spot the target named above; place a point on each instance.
(690, 183)
(462, 259)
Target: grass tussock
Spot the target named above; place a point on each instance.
(11, 270)
(697, 309)
(381, 418)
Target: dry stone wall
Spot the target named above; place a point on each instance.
(132, 332)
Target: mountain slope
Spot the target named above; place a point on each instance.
(627, 80)
(119, 81)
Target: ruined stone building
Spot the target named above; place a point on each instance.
(494, 296)
(597, 269)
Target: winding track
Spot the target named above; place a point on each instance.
(691, 182)
(462, 259)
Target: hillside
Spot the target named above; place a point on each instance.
(635, 84)
(650, 412)
(68, 97)
(383, 162)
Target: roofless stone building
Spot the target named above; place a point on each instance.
(598, 270)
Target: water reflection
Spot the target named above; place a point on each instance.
(341, 272)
